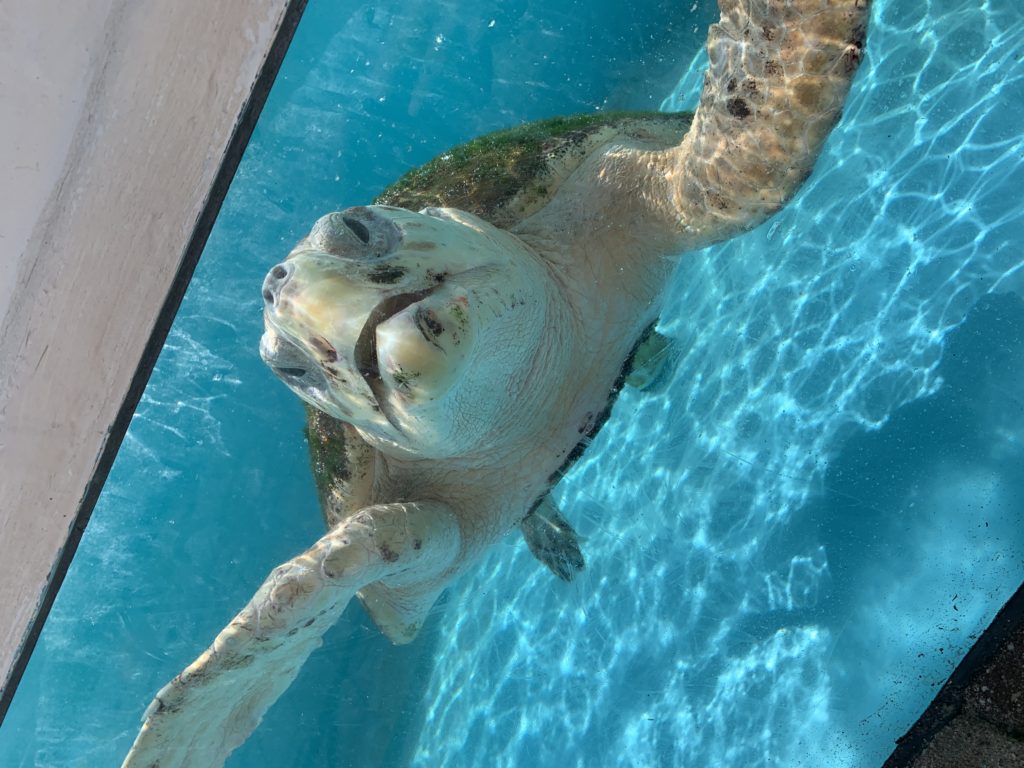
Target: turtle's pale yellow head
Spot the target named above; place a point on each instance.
(417, 328)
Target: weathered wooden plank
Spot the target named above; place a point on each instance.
(173, 90)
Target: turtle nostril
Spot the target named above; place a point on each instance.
(276, 278)
(358, 228)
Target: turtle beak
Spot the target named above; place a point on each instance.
(289, 361)
(365, 352)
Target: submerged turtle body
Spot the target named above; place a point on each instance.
(502, 177)
(464, 337)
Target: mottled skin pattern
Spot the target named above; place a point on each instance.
(472, 389)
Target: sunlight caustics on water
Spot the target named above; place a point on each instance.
(790, 544)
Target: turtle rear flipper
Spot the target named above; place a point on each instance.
(552, 540)
(209, 709)
(653, 363)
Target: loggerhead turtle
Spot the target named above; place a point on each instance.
(461, 354)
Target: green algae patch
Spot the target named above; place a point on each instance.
(485, 174)
(341, 463)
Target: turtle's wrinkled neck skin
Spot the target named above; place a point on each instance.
(614, 267)
(458, 341)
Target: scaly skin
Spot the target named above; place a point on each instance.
(778, 76)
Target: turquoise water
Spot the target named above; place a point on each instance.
(789, 547)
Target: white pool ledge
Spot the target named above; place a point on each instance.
(121, 124)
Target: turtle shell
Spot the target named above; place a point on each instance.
(506, 176)
(502, 177)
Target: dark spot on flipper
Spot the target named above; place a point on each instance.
(737, 107)
(239, 662)
(387, 554)
(731, 85)
(772, 68)
(386, 274)
(768, 33)
(417, 544)
(718, 200)
(310, 622)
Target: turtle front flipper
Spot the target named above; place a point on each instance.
(209, 709)
(778, 74)
(552, 540)
(777, 77)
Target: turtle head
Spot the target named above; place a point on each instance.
(413, 327)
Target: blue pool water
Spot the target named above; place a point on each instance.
(789, 546)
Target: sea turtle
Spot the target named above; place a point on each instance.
(458, 341)
(503, 178)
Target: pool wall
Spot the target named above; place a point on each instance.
(123, 125)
